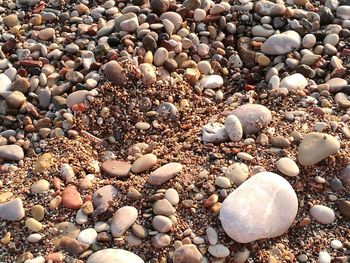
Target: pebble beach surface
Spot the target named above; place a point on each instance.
(158, 131)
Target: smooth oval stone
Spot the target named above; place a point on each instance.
(253, 117)
(160, 56)
(174, 17)
(211, 82)
(315, 147)
(342, 100)
(294, 82)
(33, 224)
(287, 166)
(172, 196)
(114, 168)
(187, 253)
(162, 224)
(344, 208)
(219, 251)
(11, 152)
(5, 83)
(322, 214)
(112, 255)
(264, 206)
(280, 44)
(71, 197)
(122, 220)
(34, 238)
(144, 163)
(12, 210)
(47, 33)
(268, 8)
(336, 84)
(87, 236)
(40, 186)
(115, 74)
(164, 173)
(233, 128)
(76, 97)
(343, 12)
(324, 257)
(214, 132)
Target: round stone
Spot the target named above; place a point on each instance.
(164, 173)
(280, 44)
(269, 204)
(114, 168)
(172, 196)
(204, 67)
(34, 238)
(294, 82)
(336, 244)
(87, 236)
(237, 173)
(309, 40)
(287, 166)
(115, 74)
(219, 251)
(223, 182)
(324, 257)
(76, 97)
(47, 34)
(315, 147)
(212, 82)
(112, 255)
(144, 163)
(15, 99)
(160, 6)
(162, 223)
(163, 207)
(160, 56)
(40, 186)
(38, 212)
(322, 214)
(199, 15)
(12, 210)
(187, 253)
(344, 208)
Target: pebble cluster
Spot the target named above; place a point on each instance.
(174, 131)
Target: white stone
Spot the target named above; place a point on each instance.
(324, 257)
(39, 259)
(294, 82)
(214, 132)
(112, 255)
(12, 210)
(172, 196)
(237, 173)
(343, 12)
(219, 251)
(87, 236)
(279, 44)
(34, 238)
(212, 235)
(76, 97)
(102, 226)
(336, 244)
(5, 83)
(322, 214)
(264, 206)
(233, 128)
(211, 82)
(81, 218)
(287, 166)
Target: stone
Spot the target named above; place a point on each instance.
(187, 253)
(163, 207)
(237, 173)
(44, 162)
(164, 173)
(309, 40)
(261, 31)
(344, 208)
(336, 84)
(214, 132)
(11, 152)
(102, 198)
(116, 169)
(324, 257)
(47, 34)
(336, 244)
(162, 224)
(122, 220)
(12, 210)
(233, 128)
(40, 186)
(144, 163)
(322, 214)
(315, 147)
(219, 251)
(172, 196)
(199, 14)
(34, 238)
(342, 100)
(76, 97)
(223, 182)
(241, 256)
(33, 225)
(139, 231)
(127, 22)
(11, 20)
(264, 206)
(268, 8)
(15, 99)
(161, 240)
(343, 12)
(112, 255)
(294, 82)
(5, 83)
(160, 56)
(211, 82)
(345, 176)
(160, 6)
(71, 197)
(253, 117)
(71, 245)
(67, 172)
(87, 236)
(174, 17)
(115, 74)
(287, 166)
(280, 44)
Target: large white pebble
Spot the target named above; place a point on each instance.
(233, 128)
(112, 255)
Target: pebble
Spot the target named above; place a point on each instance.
(33, 224)
(38, 212)
(11, 152)
(265, 218)
(160, 56)
(219, 251)
(81, 218)
(241, 256)
(12, 210)
(324, 257)
(268, 8)
(162, 223)
(287, 166)
(102, 198)
(322, 214)
(172, 196)
(5, 83)
(15, 99)
(187, 253)
(336, 244)
(343, 12)
(309, 41)
(76, 97)
(212, 235)
(237, 173)
(47, 34)
(344, 208)
(336, 84)
(161, 240)
(211, 82)
(115, 74)
(223, 182)
(294, 82)
(164, 173)
(122, 220)
(342, 100)
(112, 255)
(315, 147)
(34, 238)
(87, 236)
(233, 128)
(214, 132)
(144, 163)
(163, 207)
(40, 186)
(71, 198)
(280, 44)
(253, 117)
(116, 169)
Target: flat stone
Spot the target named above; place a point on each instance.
(87, 236)
(144, 163)
(71, 198)
(11, 20)
(114, 168)
(164, 173)
(264, 206)
(102, 198)
(343, 12)
(315, 147)
(336, 84)
(280, 44)
(162, 223)
(233, 128)
(219, 251)
(76, 97)
(122, 220)
(174, 17)
(253, 117)
(287, 166)
(161, 240)
(322, 214)
(112, 255)
(12, 210)
(214, 132)
(187, 254)
(126, 22)
(163, 207)
(342, 100)
(294, 82)
(11, 152)
(211, 82)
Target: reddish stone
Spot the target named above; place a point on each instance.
(31, 63)
(115, 168)
(71, 197)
